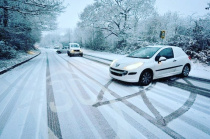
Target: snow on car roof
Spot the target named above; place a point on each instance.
(160, 46)
(74, 43)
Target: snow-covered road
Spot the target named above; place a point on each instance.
(55, 96)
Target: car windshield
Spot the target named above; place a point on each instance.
(144, 52)
(75, 45)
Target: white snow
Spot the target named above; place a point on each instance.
(200, 70)
(21, 56)
(76, 84)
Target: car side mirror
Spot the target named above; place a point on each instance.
(161, 59)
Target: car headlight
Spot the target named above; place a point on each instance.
(133, 66)
(72, 51)
(113, 62)
(80, 51)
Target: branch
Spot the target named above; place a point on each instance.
(108, 35)
(35, 8)
(107, 29)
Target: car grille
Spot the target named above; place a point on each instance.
(76, 51)
(118, 72)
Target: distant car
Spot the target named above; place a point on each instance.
(74, 49)
(56, 47)
(63, 50)
(152, 62)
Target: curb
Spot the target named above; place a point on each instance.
(14, 66)
(98, 61)
(99, 57)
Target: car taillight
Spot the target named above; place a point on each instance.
(189, 57)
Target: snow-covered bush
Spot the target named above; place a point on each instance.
(6, 52)
(202, 56)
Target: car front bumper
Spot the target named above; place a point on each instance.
(123, 75)
(76, 53)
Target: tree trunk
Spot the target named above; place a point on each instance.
(5, 15)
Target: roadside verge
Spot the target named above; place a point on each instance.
(18, 64)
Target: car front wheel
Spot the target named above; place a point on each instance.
(145, 78)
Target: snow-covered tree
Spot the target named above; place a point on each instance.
(117, 18)
(21, 21)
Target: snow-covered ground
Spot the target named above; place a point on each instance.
(57, 96)
(21, 56)
(200, 70)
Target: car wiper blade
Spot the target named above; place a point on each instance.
(139, 57)
(133, 56)
(144, 57)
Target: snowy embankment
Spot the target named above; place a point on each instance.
(21, 57)
(199, 70)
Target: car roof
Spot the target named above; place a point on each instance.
(74, 43)
(162, 46)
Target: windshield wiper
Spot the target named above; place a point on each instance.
(144, 57)
(133, 56)
(139, 57)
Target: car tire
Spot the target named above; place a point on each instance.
(81, 55)
(185, 71)
(146, 78)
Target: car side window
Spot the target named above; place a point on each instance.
(167, 53)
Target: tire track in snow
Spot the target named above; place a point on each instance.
(152, 120)
(52, 116)
(118, 98)
(94, 115)
(189, 87)
(184, 108)
(184, 118)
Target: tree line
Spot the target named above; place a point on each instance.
(22, 21)
(124, 25)
(121, 26)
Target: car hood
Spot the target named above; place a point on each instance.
(126, 61)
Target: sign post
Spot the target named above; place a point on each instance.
(162, 35)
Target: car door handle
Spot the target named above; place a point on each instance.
(174, 61)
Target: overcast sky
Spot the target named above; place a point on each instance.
(70, 18)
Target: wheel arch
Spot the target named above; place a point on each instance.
(147, 69)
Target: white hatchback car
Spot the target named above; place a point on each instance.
(151, 62)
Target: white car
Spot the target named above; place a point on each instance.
(151, 62)
(63, 50)
(74, 49)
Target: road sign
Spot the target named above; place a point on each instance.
(162, 34)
